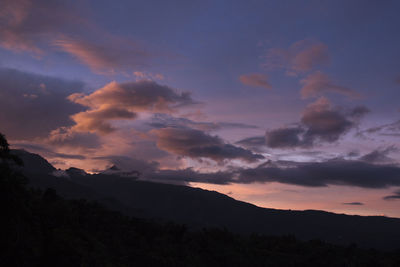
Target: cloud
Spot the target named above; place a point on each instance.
(353, 203)
(116, 101)
(23, 117)
(98, 121)
(142, 75)
(252, 141)
(28, 25)
(318, 84)
(320, 122)
(395, 196)
(321, 174)
(284, 137)
(46, 152)
(65, 137)
(379, 155)
(300, 57)
(197, 144)
(126, 163)
(310, 174)
(189, 175)
(103, 57)
(160, 120)
(390, 129)
(42, 25)
(325, 123)
(255, 80)
(397, 80)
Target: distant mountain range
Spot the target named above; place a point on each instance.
(199, 208)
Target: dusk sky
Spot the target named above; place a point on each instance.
(283, 104)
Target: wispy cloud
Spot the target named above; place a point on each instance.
(300, 57)
(103, 57)
(395, 196)
(255, 80)
(318, 84)
(353, 203)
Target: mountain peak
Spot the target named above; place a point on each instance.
(114, 168)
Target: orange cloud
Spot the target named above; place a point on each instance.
(117, 101)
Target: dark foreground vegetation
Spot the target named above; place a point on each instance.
(40, 228)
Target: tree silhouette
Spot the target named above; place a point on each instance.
(4, 147)
(5, 153)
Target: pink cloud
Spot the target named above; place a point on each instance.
(300, 57)
(318, 83)
(255, 80)
(28, 25)
(103, 57)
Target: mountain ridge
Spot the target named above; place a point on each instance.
(199, 208)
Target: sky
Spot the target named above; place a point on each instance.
(283, 104)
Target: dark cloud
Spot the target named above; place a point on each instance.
(359, 112)
(255, 143)
(117, 101)
(310, 174)
(160, 120)
(32, 105)
(319, 174)
(324, 123)
(390, 129)
(46, 152)
(320, 122)
(284, 137)
(65, 137)
(255, 80)
(395, 196)
(252, 141)
(353, 203)
(197, 144)
(379, 155)
(126, 163)
(189, 175)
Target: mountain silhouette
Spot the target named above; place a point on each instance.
(198, 208)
